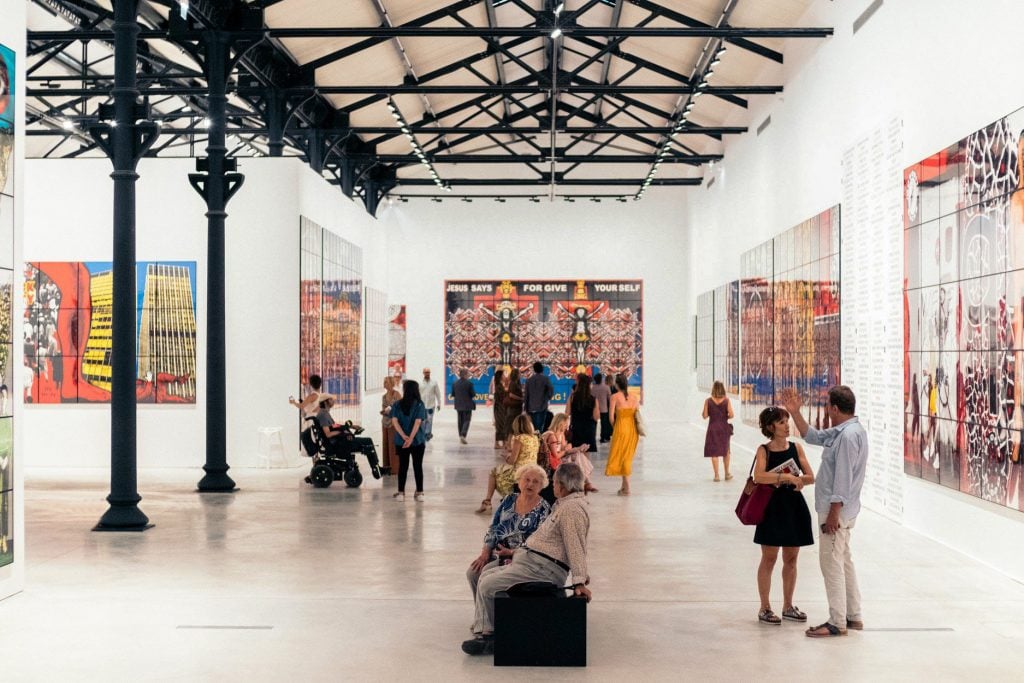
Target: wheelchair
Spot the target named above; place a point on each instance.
(335, 458)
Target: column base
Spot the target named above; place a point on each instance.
(123, 518)
(216, 481)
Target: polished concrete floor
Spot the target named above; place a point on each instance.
(281, 582)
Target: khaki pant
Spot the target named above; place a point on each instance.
(839, 573)
(525, 567)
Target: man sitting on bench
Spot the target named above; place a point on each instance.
(558, 547)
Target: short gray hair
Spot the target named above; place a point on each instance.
(570, 476)
(533, 468)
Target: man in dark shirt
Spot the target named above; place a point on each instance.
(464, 398)
(538, 392)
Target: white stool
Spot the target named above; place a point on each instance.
(268, 442)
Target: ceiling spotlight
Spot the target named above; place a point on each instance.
(183, 7)
(708, 74)
(698, 93)
(721, 50)
(205, 123)
(447, 188)
(689, 105)
(392, 107)
(405, 129)
(557, 32)
(702, 84)
(67, 124)
(558, 8)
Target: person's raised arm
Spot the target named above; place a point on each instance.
(792, 403)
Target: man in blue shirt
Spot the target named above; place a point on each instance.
(837, 489)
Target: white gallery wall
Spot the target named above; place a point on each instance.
(262, 271)
(431, 242)
(12, 35)
(945, 68)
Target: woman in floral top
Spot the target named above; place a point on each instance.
(518, 516)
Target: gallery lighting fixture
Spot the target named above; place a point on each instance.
(403, 126)
(558, 8)
(183, 8)
(557, 32)
(67, 124)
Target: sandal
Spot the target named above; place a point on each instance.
(826, 630)
(794, 614)
(620, 492)
(766, 616)
(728, 477)
(485, 505)
(716, 479)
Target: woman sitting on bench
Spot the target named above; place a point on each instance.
(556, 549)
(517, 517)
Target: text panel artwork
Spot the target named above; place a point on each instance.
(67, 332)
(570, 326)
(963, 298)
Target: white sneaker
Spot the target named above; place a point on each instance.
(400, 497)
(418, 497)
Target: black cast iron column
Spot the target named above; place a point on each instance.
(216, 182)
(124, 141)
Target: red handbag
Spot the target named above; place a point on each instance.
(754, 500)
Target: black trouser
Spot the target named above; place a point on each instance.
(606, 427)
(417, 465)
(464, 417)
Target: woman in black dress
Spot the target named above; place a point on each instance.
(583, 414)
(787, 521)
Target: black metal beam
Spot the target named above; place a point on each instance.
(402, 89)
(406, 159)
(524, 182)
(729, 33)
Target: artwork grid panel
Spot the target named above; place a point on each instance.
(705, 340)
(757, 338)
(376, 338)
(567, 325)
(8, 69)
(963, 206)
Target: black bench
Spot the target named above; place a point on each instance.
(539, 631)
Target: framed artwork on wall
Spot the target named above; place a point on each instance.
(705, 348)
(376, 339)
(963, 323)
(570, 326)
(330, 315)
(67, 332)
(7, 130)
(396, 340)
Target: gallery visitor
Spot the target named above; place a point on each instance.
(408, 416)
(557, 449)
(522, 448)
(464, 400)
(781, 464)
(309, 404)
(539, 392)
(718, 412)
(391, 394)
(625, 437)
(513, 400)
(431, 393)
(583, 414)
(516, 518)
(837, 502)
(499, 391)
(557, 549)
(602, 393)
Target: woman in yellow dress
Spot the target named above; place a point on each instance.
(523, 446)
(622, 413)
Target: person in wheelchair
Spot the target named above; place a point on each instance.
(338, 447)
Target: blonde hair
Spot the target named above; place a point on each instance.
(522, 425)
(557, 422)
(534, 468)
(717, 389)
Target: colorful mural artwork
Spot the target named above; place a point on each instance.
(330, 315)
(570, 326)
(727, 335)
(7, 127)
(67, 332)
(963, 322)
(790, 309)
(396, 341)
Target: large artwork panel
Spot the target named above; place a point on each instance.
(965, 204)
(67, 332)
(569, 325)
(789, 301)
(331, 315)
(7, 128)
(727, 336)
(705, 340)
(376, 339)
(396, 340)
